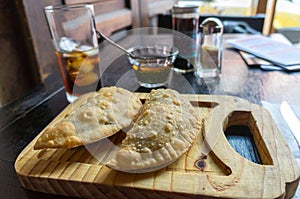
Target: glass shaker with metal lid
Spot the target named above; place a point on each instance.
(209, 58)
(185, 19)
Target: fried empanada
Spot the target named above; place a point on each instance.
(103, 114)
(164, 130)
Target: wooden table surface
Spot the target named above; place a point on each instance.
(23, 119)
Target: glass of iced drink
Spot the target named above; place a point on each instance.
(73, 33)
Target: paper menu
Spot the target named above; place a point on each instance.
(279, 53)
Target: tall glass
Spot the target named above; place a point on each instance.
(73, 34)
(185, 19)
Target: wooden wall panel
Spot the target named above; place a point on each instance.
(16, 73)
(37, 36)
(83, 1)
(108, 6)
(101, 6)
(110, 15)
(113, 21)
(149, 9)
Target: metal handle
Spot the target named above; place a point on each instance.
(100, 35)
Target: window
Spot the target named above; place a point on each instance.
(287, 11)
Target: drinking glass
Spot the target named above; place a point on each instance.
(152, 64)
(185, 19)
(74, 37)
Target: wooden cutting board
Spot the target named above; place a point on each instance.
(210, 169)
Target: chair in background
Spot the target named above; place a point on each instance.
(261, 22)
(268, 7)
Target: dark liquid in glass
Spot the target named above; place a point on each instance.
(186, 45)
(80, 71)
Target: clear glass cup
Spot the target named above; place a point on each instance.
(153, 64)
(74, 37)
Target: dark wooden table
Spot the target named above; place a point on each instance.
(23, 119)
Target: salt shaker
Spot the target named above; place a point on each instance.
(209, 57)
(185, 19)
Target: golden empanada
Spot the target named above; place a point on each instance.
(102, 114)
(164, 130)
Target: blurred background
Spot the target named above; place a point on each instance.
(27, 57)
(287, 12)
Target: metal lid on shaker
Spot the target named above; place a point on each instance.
(182, 9)
(211, 25)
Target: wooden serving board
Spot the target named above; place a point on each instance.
(210, 169)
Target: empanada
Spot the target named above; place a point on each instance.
(102, 115)
(164, 130)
